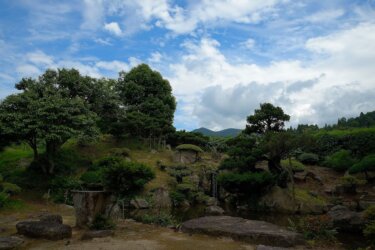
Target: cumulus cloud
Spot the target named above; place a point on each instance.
(113, 28)
(249, 43)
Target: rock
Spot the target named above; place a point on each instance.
(45, 230)
(185, 156)
(280, 200)
(161, 198)
(299, 177)
(139, 203)
(252, 231)
(185, 204)
(214, 210)
(11, 242)
(113, 211)
(313, 176)
(346, 220)
(211, 201)
(52, 218)
(88, 235)
(263, 247)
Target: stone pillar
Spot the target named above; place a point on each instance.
(88, 204)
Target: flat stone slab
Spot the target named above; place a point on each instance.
(251, 231)
(11, 242)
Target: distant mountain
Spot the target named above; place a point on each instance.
(229, 132)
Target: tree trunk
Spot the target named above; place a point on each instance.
(51, 149)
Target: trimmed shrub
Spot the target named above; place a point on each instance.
(61, 186)
(106, 162)
(120, 152)
(10, 188)
(162, 219)
(296, 165)
(340, 161)
(126, 178)
(190, 147)
(308, 158)
(366, 164)
(92, 179)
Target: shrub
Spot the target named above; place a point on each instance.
(10, 188)
(177, 197)
(246, 183)
(315, 228)
(120, 152)
(366, 164)
(106, 162)
(189, 147)
(296, 165)
(162, 219)
(126, 178)
(61, 186)
(308, 158)
(369, 230)
(92, 179)
(4, 199)
(340, 161)
(101, 222)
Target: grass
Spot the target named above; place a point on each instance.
(15, 158)
(296, 165)
(303, 195)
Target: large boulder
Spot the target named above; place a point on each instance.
(252, 231)
(11, 242)
(139, 203)
(161, 198)
(346, 220)
(45, 230)
(214, 210)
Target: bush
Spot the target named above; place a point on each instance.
(92, 179)
(61, 186)
(315, 228)
(101, 222)
(4, 199)
(296, 165)
(366, 164)
(120, 152)
(106, 162)
(308, 158)
(10, 188)
(340, 161)
(162, 219)
(177, 197)
(127, 178)
(246, 183)
(189, 147)
(369, 230)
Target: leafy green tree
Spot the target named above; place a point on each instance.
(365, 165)
(267, 118)
(46, 112)
(149, 103)
(340, 160)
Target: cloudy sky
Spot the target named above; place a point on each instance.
(315, 59)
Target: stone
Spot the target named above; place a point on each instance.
(88, 235)
(161, 198)
(88, 204)
(113, 211)
(280, 200)
(263, 247)
(52, 218)
(45, 230)
(212, 201)
(346, 220)
(251, 231)
(185, 157)
(139, 203)
(11, 242)
(214, 210)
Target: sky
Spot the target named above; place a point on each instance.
(313, 58)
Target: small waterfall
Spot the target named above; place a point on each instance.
(214, 185)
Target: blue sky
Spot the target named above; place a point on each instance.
(316, 59)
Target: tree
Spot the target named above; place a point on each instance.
(267, 118)
(47, 112)
(148, 101)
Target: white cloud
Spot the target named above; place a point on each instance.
(38, 57)
(28, 70)
(325, 16)
(249, 43)
(115, 66)
(155, 57)
(93, 14)
(113, 28)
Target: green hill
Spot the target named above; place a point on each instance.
(229, 132)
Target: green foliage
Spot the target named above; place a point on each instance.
(296, 165)
(267, 118)
(349, 180)
(366, 164)
(106, 162)
(120, 152)
(162, 219)
(179, 172)
(4, 199)
(92, 179)
(185, 137)
(101, 222)
(340, 161)
(149, 101)
(369, 213)
(363, 120)
(11, 158)
(126, 178)
(61, 186)
(177, 197)
(10, 188)
(308, 158)
(315, 228)
(190, 147)
(369, 230)
(246, 183)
